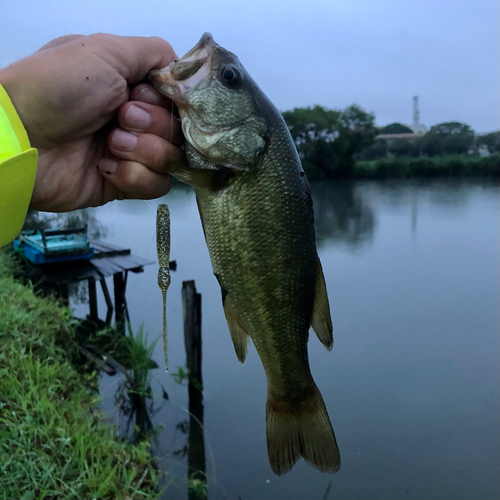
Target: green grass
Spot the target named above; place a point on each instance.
(138, 353)
(54, 442)
(435, 166)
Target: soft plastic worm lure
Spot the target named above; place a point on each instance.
(163, 250)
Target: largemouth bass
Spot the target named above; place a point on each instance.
(257, 215)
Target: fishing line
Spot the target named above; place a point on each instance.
(209, 449)
(148, 204)
(209, 446)
(147, 252)
(163, 251)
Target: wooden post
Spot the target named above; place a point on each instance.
(191, 301)
(93, 299)
(119, 286)
(191, 304)
(108, 300)
(63, 293)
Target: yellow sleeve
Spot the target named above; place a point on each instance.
(18, 162)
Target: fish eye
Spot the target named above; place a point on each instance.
(230, 76)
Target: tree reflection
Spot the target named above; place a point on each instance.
(78, 218)
(341, 214)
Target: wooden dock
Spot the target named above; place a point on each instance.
(108, 260)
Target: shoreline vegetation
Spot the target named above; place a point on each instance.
(347, 144)
(55, 442)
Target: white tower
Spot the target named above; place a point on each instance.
(416, 127)
(416, 113)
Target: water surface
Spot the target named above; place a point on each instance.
(412, 271)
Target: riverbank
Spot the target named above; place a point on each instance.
(54, 441)
(427, 166)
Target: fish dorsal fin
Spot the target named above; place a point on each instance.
(321, 321)
(238, 333)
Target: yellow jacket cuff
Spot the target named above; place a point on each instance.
(18, 161)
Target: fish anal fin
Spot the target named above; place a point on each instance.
(300, 432)
(321, 321)
(238, 333)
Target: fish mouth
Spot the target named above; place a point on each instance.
(186, 73)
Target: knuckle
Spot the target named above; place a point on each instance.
(131, 175)
(160, 153)
(161, 41)
(100, 38)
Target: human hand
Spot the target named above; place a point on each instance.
(101, 134)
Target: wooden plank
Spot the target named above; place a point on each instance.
(107, 267)
(112, 265)
(93, 298)
(114, 364)
(120, 304)
(107, 249)
(110, 370)
(109, 260)
(131, 261)
(109, 302)
(66, 272)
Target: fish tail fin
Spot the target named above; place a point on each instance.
(305, 432)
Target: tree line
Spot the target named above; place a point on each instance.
(329, 142)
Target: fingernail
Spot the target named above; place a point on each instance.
(136, 117)
(148, 93)
(123, 140)
(108, 165)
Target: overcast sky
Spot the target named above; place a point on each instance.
(377, 54)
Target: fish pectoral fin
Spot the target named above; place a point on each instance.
(238, 333)
(200, 177)
(321, 321)
(234, 166)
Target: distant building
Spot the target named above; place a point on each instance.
(483, 150)
(417, 127)
(398, 136)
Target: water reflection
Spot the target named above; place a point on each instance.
(137, 410)
(450, 193)
(194, 446)
(70, 220)
(341, 214)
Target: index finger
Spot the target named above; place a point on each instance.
(133, 56)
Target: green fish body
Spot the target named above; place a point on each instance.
(257, 214)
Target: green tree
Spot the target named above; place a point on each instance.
(403, 147)
(491, 141)
(448, 138)
(377, 150)
(395, 128)
(326, 139)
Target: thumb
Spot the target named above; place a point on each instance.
(133, 56)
